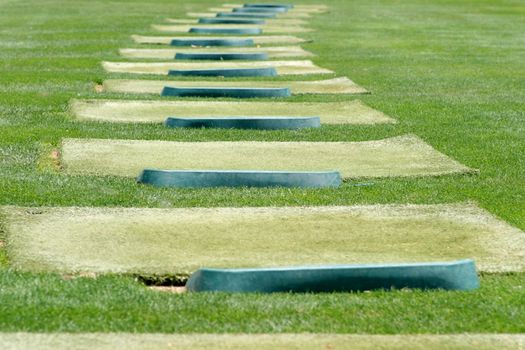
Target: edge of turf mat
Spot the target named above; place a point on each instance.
(140, 111)
(216, 41)
(405, 155)
(287, 67)
(231, 29)
(171, 53)
(178, 241)
(341, 85)
(232, 178)
(237, 31)
(455, 275)
(260, 123)
(288, 341)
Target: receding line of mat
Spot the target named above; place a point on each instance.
(455, 275)
(304, 341)
(163, 68)
(169, 54)
(181, 240)
(125, 111)
(223, 12)
(227, 20)
(236, 178)
(250, 122)
(340, 85)
(318, 8)
(206, 28)
(284, 16)
(397, 156)
(257, 40)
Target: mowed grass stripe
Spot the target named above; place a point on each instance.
(266, 29)
(282, 67)
(258, 40)
(179, 241)
(272, 51)
(341, 85)
(305, 341)
(397, 156)
(125, 111)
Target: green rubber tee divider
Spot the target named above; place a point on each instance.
(243, 31)
(288, 6)
(212, 42)
(225, 92)
(224, 56)
(246, 15)
(226, 72)
(260, 9)
(238, 178)
(276, 10)
(457, 275)
(230, 21)
(261, 123)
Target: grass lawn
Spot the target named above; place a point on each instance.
(450, 72)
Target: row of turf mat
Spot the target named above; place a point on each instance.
(232, 164)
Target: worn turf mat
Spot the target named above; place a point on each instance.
(258, 40)
(313, 8)
(341, 85)
(266, 29)
(304, 341)
(126, 111)
(169, 54)
(282, 67)
(178, 241)
(227, 12)
(218, 20)
(398, 156)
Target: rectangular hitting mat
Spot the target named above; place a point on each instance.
(297, 14)
(266, 28)
(313, 8)
(178, 241)
(303, 341)
(169, 54)
(347, 112)
(282, 67)
(341, 85)
(257, 39)
(268, 21)
(398, 156)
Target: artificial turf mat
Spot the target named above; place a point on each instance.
(397, 156)
(225, 12)
(179, 241)
(169, 54)
(282, 67)
(129, 111)
(258, 40)
(341, 85)
(266, 29)
(269, 21)
(314, 8)
(303, 341)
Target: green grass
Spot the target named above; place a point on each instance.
(450, 72)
